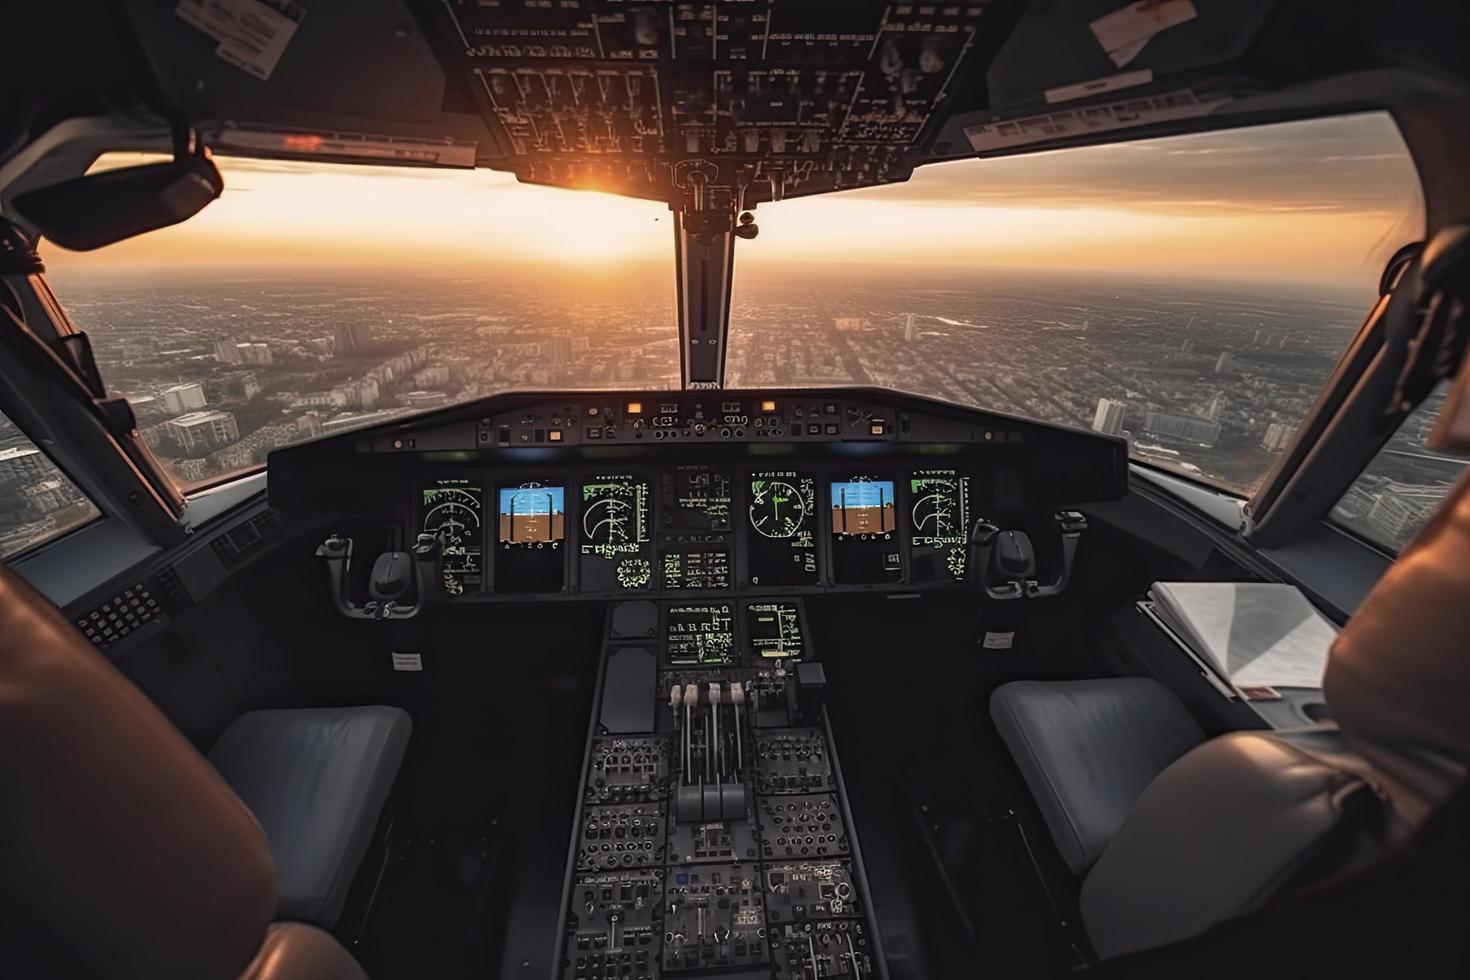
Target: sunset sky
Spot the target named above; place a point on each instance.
(1325, 201)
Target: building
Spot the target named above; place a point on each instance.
(1277, 437)
(146, 407)
(1225, 363)
(359, 419)
(323, 346)
(184, 398)
(420, 400)
(1109, 416)
(848, 324)
(259, 354)
(354, 337)
(49, 495)
(23, 463)
(438, 376)
(1395, 518)
(1181, 428)
(197, 433)
(1216, 407)
(908, 328)
(227, 351)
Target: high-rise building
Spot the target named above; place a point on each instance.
(1395, 517)
(1109, 416)
(1216, 407)
(1277, 437)
(908, 328)
(1181, 428)
(325, 346)
(848, 324)
(354, 336)
(255, 354)
(22, 463)
(184, 398)
(1225, 363)
(197, 433)
(227, 351)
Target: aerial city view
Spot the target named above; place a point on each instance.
(1189, 294)
(1208, 380)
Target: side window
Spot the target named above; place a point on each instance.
(1395, 494)
(37, 501)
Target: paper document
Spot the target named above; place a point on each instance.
(1255, 634)
(1123, 33)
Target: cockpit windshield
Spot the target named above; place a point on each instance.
(1190, 293)
(318, 298)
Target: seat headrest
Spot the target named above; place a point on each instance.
(1398, 677)
(122, 853)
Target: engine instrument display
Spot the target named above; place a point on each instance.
(774, 629)
(452, 510)
(700, 635)
(865, 546)
(782, 513)
(696, 498)
(616, 546)
(531, 521)
(939, 523)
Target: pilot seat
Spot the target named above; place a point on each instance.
(127, 854)
(1174, 833)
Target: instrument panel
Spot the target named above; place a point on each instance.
(698, 529)
(693, 494)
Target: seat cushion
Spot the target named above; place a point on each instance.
(1088, 748)
(294, 951)
(316, 779)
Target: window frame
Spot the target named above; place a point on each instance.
(65, 424)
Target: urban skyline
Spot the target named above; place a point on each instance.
(1209, 380)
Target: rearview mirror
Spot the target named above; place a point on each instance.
(99, 209)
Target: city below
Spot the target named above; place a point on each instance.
(1206, 380)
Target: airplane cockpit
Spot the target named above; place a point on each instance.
(742, 489)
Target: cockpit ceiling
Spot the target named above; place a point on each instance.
(710, 106)
(732, 102)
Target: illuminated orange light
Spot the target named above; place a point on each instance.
(635, 408)
(768, 406)
(302, 141)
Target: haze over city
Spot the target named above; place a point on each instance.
(1189, 294)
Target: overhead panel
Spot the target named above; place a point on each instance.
(709, 106)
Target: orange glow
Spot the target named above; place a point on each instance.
(1323, 200)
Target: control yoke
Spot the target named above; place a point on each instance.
(1003, 563)
(396, 575)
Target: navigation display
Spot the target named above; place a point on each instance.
(774, 629)
(616, 549)
(700, 634)
(531, 526)
(939, 525)
(451, 510)
(865, 545)
(783, 516)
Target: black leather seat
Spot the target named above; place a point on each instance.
(1087, 749)
(1175, 834)
(123, 853)
(316, 779)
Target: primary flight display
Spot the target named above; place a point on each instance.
(697, 530)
